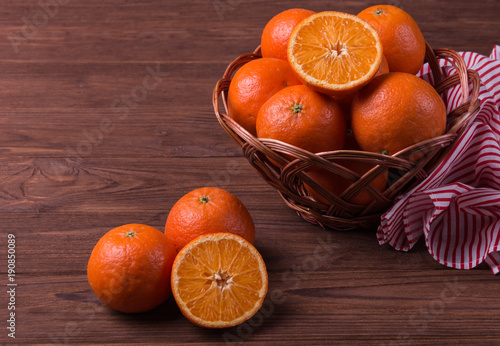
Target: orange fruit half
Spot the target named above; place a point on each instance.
(335, 53)
(219, 280)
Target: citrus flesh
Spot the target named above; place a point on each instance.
(335, 53)
(219, 280)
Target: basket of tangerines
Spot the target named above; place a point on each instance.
(330, 112)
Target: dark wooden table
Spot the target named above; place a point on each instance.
(106, 119)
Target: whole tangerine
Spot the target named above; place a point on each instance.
(129, 268)
(402, 41)
(304, 118)
(274, 40)
(208, 210)
(253, 84)
(395, 111)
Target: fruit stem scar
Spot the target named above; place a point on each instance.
(130, 234)
(296, 108)
(378, 12)
(204, 199)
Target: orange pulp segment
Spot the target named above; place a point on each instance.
(335, 53)
(219, 280)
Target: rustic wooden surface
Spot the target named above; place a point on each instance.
(85, 147)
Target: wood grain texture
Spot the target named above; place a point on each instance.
(90, 142)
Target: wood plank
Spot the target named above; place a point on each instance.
(145, 132)
(68, 86)
(418, 306)
(48, 235)
(103, 185)
(221, 34)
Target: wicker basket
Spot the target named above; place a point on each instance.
(404, 170)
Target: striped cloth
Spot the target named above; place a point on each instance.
(457, 207)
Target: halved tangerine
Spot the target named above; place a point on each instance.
(335, 53)
(219, 280)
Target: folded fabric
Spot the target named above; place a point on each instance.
(457, 207)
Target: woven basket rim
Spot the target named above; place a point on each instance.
(341, 214)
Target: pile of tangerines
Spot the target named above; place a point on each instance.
(330, 80)
(322, 75)
(205, 258)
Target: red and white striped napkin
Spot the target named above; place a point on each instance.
(457, 207)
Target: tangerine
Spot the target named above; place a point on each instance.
(335, 53)
(274, 40)
(253, 84)
(129, 268)
(207, 210)
(219, 280)
(403, 42)
(304, 118)
(396, 110)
